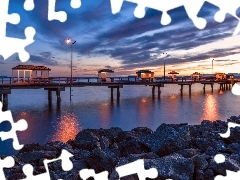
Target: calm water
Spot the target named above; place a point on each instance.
(91, 107)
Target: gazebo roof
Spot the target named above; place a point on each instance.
(196, 73)
(30, 67)
(173, 72)
(106, 70)
(144, 71)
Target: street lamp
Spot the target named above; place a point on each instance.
(212, 65)
(164, 66)
(69, 41)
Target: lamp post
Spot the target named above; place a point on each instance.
(212, 65)
(164, 66)
(69, 41)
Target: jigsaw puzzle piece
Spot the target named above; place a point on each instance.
(66, 166)
(236, 89)
(137, 167)
(87, 173)
(28, 171)
(192, 9)
(60, 15)
(21, 125)
(7, 162)
(29, 5)
(230, 176)
(75, 4)
(227, 7)
(9, 46)
(227, 133)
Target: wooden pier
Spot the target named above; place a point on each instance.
(59, 84)
(189, 84)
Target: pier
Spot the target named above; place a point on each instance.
(59, 84)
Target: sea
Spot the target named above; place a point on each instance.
(92, 107)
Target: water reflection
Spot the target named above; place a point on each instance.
(144, 109)
(210, 108)
(105, 113)
(67, 127)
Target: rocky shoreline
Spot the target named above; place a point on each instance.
(178, 151)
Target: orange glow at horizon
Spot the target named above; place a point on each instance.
(210, 108)
(67, 128)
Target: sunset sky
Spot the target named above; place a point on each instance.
(122, 42)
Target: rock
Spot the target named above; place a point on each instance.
(86, 140)
(221, 168)
(205, 143)
(132, 147)
(199, 175)
(173, 166)
(101, 161)
(234, 136)
(233, 148)
(208, 174)
(35, 156)
(168, 139)
(200, 162)
(188, 153)
(36, 147)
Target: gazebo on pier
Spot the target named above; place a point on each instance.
(173, 74)
(30, 72)
(145, 75)
(196, 76)
(104, 75)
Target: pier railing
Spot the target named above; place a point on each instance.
(9, 81)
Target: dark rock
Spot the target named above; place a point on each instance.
(174, 167)
(35, 156)
(234, 136)
(86, 140)
(233, 148)
(17, 176)
(222, 167)
(168, 139)
(132, 147)
(205, 143)
(208, 174)
(104, 142)
(200, 162)
(100, 161)
(36, 147)
(199, 175)
(188, 153)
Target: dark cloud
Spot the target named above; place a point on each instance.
(122, 36)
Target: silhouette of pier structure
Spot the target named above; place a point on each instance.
(59, 84)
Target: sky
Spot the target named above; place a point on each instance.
(122, 42)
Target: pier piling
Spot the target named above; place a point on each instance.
(186, 84)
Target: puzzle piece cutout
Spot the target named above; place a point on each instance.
(192, 8)
(29, 5)
(7, 162)
(227, 7)
(230, 175)
(20, 125)
(227, 133)
(8, 45)
(87, 173)
(60, 15)
(236, 89)
(137, 167)
(220, 158)
(66, 166)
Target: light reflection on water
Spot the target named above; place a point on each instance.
(92, 108)
(67, 127)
